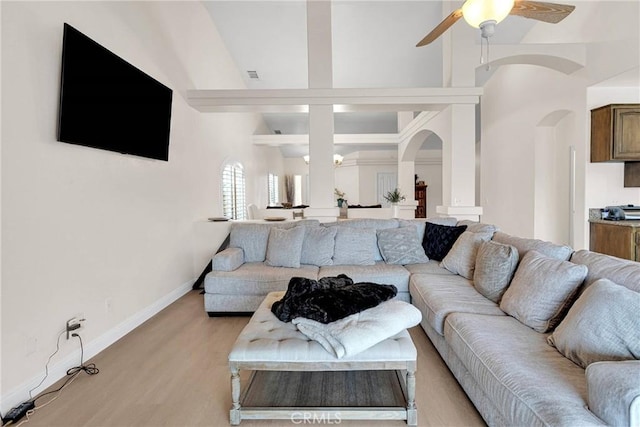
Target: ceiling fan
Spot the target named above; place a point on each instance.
(485, 14)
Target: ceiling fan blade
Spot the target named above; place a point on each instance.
(441, 28)
(542, 11)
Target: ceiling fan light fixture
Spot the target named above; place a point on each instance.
(478, 12)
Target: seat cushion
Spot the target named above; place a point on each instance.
(431, 267)
(255, 278)
(382, 273)
(443, 295)
(529, 381)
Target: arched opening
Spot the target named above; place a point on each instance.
(554, 175)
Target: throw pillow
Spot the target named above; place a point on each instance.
(355, 246)
(317, 248)
(461, 259)
(421, 224)
(495, 265)
(540, 290)
(401, 246)
(252, 239)
(438, 239)
(285, 247)
(602, 325)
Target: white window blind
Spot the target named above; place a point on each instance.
(233, 191)
(274, 196)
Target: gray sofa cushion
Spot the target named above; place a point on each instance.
(376, 224)
(284, 247)
(620, 271)
(461, 259)
(382, 273)
(603, 324)
(524, 245)
(367, 223)
(252, 239)
(540, 290)
(228, 259)
(421, 223)
(495, 265)
(443, 295)
(317, 248)
(614, 392)
(478, 227)
(401, 246)
(430, 267)
(355, 246)
(530, 383)
(255, 278)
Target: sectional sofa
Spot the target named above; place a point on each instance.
(535, 333)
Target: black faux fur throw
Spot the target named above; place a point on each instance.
(329, 299)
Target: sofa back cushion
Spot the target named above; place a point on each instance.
(524, 245)
(478, 227)
(603, 324)
(541, 290)
(623, 272)
(318, 245)
(401, 246)
(285, 247)
(495, 265)
(355, 246)
(368, 223)
(421, 223)
(252, 239)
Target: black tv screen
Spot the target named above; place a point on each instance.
(107, 103)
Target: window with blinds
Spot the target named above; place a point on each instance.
(274, 197)
(233, 191)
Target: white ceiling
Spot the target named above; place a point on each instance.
(373, 46)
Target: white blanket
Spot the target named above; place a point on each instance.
(358, 332)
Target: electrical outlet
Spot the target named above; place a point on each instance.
(73, 325)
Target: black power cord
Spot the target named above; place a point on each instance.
(29, 407)
(90, 369)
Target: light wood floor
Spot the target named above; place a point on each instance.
(172, 371)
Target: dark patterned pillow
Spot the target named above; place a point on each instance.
(438, 239)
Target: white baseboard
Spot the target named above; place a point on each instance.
(59, 370)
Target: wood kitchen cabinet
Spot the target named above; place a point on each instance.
(615, 133)
(421, 198)
(620, 239)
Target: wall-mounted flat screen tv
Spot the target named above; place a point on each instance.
(107, 103)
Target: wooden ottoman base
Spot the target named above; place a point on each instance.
(296, 379)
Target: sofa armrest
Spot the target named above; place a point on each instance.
(228, 259)
(614, 391)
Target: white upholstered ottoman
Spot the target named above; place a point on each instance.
(267, 344)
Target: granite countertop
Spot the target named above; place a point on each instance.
(595, 217)
(624, 223)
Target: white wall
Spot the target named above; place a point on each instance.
(80, 226)
(516, 100)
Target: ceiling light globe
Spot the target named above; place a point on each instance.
(475, 12)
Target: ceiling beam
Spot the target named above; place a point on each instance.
(298, 100)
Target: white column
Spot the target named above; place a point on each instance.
(321, 169)
(461, 55)
(459, 164)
